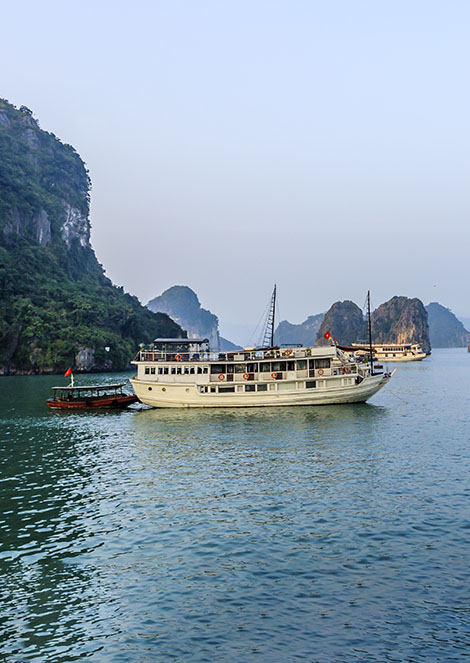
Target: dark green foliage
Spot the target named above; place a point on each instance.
(54, 297)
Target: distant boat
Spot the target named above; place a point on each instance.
(96, 396)
(392, 351)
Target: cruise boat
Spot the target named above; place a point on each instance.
(184, 373)
(392, 351)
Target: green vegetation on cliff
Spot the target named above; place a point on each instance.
(57, 308)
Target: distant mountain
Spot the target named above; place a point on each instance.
(401, 320)
(57, 308)
(445, 330)
(344, 321)
(304, 333)
(183, 306)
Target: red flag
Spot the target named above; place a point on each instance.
(68, 372)
(327, 335)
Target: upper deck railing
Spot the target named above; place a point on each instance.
(240, 356)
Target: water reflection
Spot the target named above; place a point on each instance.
(334, 533)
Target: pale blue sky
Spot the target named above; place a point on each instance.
(322, 145)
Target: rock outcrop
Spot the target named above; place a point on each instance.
(345, 322)
(57, 308)
(183, 306)
(304, 333)
(445, 330)
(401, 320)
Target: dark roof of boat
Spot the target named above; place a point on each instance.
(181, 341)
(91, 386)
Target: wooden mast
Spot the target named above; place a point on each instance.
(370, 333)
(269, 329)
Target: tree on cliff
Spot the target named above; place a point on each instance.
(55, 301)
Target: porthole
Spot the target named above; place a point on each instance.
(163, 388)
(187, 390)
(150, 388)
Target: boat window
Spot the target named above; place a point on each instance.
(265, 367)
(279, 366)
(301, 365)
(291, 365)
(230, 368)
(262, 387)
(224, 390)
(152, 370)
(186, 370)
(310, 385)
(250, 387)
(252, 368)
(217, 368)
(147, 370)
(240, 368)
(213, 390)
(322, 363)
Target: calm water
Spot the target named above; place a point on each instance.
(324, 534)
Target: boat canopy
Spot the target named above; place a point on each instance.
(94, 387)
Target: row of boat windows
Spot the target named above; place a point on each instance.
(176, 370)
(270, 366)
(218, 389)
(256, 367)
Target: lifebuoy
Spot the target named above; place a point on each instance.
(274, 376)
(221, 376)
(287, 353)
(320, 371)
(178, 357)
(246, 376)
(345, 369)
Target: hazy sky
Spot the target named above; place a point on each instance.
(321, 145)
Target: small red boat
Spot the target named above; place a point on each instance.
(92, 396)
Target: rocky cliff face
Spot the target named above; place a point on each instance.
(345, 322)
(57, 308)
(401, 320)
(445, 330)
(183, 306)
(304, 333)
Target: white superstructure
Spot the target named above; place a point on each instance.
(183, 373)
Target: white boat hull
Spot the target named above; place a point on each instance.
(172, 395)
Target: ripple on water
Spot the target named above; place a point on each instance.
(302, 534)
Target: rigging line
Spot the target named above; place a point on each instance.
(252, 338)
(396, 396)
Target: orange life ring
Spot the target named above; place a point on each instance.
(287, 353)
(246, 376)
(221, 377)
(274, 376)
(345, 369)
(320, 371)
(178, 357)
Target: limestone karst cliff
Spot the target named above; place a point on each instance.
(183, 306)
(304, 333)
(57, 308)
(401, 320)
(445, 330)
(344, 321)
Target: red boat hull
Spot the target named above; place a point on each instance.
(91, 403)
